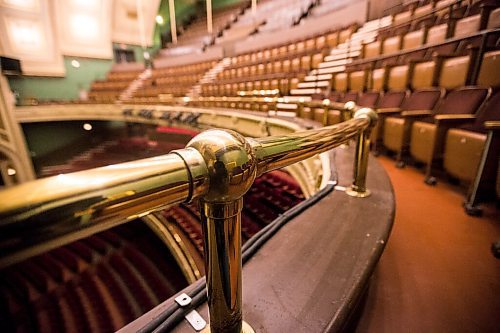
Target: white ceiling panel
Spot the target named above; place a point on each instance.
(30, 36)
(126, 20)
(84, 27)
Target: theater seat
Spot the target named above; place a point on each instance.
(396, 133)
(413, 39)
(427, 136)
(437, 34)
(494, 20)
(397, 80)
(371, 50)
(464, 145)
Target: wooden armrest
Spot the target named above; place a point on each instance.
(388, 110)
(451, 120)
(442, 56)
(445, 117)
(493, 125)
(416, 113)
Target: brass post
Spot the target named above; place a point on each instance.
(300, 108)
(358, 188)
(222, 234)
(348, 110)
(232, 168)
(326, 106)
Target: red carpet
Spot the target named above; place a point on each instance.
(437, 273)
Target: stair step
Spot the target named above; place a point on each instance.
(333, 57)
(314, 77)
(335, 63)
(331, 70)
(297, 99)
(309, 91)
(314, 84)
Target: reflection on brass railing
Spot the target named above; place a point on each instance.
(217, 166)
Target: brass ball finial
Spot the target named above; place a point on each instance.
(351, 106)
(368, 113)
(230, 162)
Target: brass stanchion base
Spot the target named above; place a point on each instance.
(353, 193)
(245, 328)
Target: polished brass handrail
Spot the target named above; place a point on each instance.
(217, 166)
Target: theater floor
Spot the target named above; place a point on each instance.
(437, 273)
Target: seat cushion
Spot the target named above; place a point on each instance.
(371, 50)
(462, 153)
(413, 39)
(467, 26)
(318, 115)
(394, 129)
(398, 77)
(334, 117)
(437, 34)
(378, 78)
(423, 74)
(423, 136)
(306, 113)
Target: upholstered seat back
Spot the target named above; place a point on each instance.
(368, 99)
(491, 112)
(423, 99)
(392, 99)
(357, 80)
(466, 100)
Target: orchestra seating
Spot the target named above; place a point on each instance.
(175, 81)
(277, 68)
(112, 152)
(97, 284)
(270, 196)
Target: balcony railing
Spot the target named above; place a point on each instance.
(218, 167)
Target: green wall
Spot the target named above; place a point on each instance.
(61, 88)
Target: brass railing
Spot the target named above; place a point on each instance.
(218, 166)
